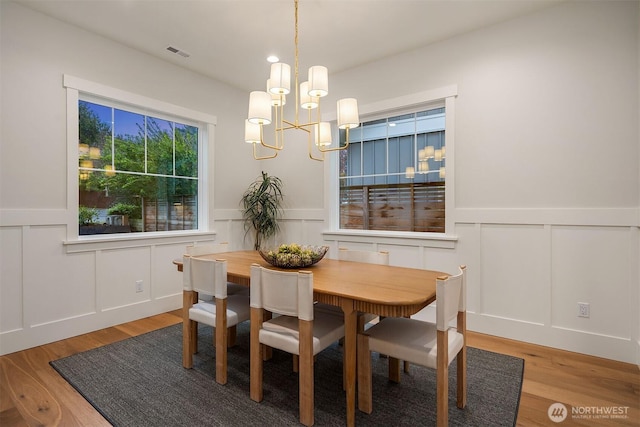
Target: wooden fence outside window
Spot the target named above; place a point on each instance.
(418, 207)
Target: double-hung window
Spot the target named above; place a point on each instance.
(393, 175)
(141, 163)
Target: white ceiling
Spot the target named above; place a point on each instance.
(229, 40)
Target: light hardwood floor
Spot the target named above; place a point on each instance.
(33, 394)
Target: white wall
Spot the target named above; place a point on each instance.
(546, 172)
(547, 177)
(50, 290)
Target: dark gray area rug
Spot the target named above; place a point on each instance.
(141, 382)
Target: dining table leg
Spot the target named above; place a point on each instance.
(350, 336)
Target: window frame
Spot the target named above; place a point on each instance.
(78, 89)
(442, 97)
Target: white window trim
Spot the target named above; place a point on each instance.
(74, 88)
(437, 97)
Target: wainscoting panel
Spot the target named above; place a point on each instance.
(468, 253)
(56, 285)
(165, 277)
(515, 273)
(592, 265)
(440, 259)
(11, 278)
(303, 231)
(403, 256)
(118, 271)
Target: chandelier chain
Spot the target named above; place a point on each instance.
(295, 66)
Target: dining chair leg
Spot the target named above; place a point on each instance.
(364, 374)
(221, 333)
(461, 392)
(194, 336)
(194, 324)
(267, 352)
(394, 369)
(306, 372)
(296, 362)
(442, 380)
(231, 336)
(187, 327)
(187, 354)
(255, 351)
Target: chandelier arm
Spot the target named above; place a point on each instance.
(319, 159)
(291, 125)
(279, 136)
(327, 150)
(256, 157)
(264, 144)
(344, 147)
(310, 145)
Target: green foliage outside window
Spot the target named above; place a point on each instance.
(151, 160)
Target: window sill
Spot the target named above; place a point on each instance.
(131, 240)
(404, 238)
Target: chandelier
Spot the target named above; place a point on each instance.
(263, 106)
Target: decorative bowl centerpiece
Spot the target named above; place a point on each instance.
(294, 255)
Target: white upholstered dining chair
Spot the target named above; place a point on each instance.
(216, 248)
(225, 311)
(369, 257)
(297, 329)
(433, 345)
(232, 288)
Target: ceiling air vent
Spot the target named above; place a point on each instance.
(179, 51)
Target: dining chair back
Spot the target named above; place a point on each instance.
(369, 257)
(213, 248)
(207, 248)
(225, 311)
(297, 328)
(433, 345)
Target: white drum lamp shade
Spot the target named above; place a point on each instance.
(260, 107)
(322, 133)
(348, 117)
(280, 78)
(318, 81)
(307, 101)
(251, 132)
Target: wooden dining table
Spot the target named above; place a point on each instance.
(354, 287)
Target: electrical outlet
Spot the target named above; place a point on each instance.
(583, 309)
(139, 287)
